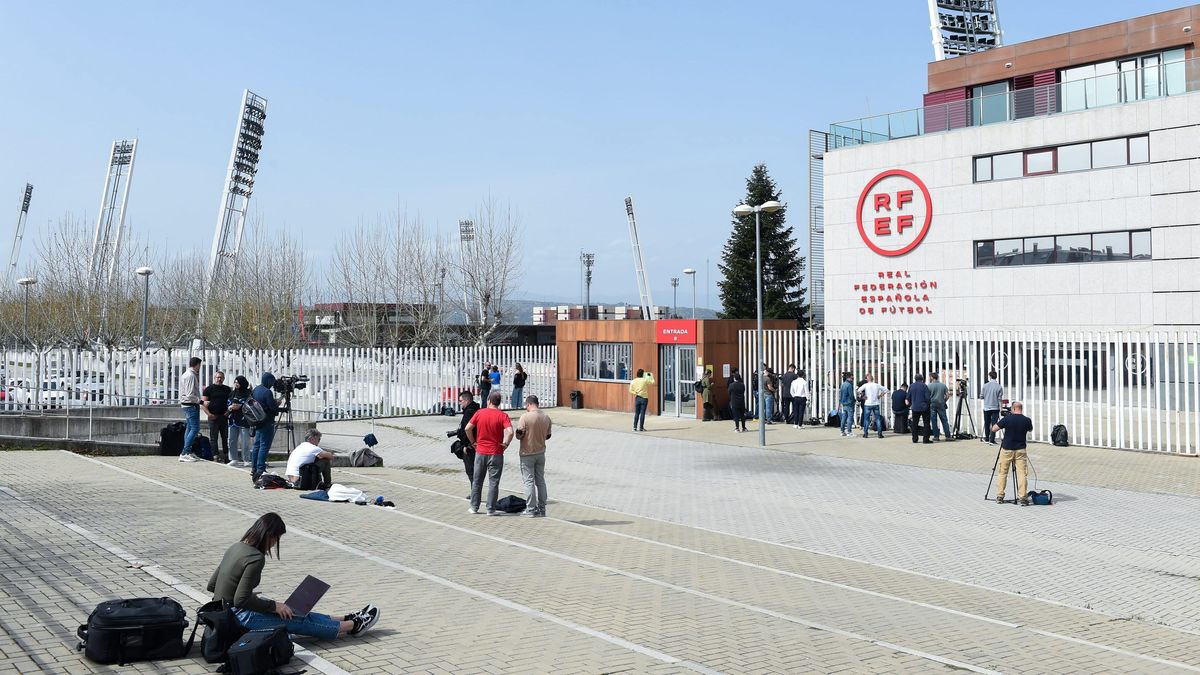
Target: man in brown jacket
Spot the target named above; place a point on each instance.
(533, 429)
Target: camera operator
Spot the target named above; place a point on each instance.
(1012, 449)
(469, 408)
(265, 433)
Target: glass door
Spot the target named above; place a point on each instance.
(687, 380)
(668, 380)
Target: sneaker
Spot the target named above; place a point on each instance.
(1025, 501)
(493, 512)
(365, 611)
(473, 511)
(529, 513)
(365, 621)
(880, 435)
(999, 499)
(540, 513)
(187, 458)
(234, 462)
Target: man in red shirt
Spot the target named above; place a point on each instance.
(490, 431)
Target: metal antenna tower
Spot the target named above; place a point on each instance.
(964, 27)
(239, 184)
(674, 297)
(639, 263)
(111, 222)
(587, 260)
(18, 235)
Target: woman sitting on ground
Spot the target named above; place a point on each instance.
(238, 575)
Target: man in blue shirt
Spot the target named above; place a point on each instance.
(900, 409)
(1012, 449)
(992, 394)
(265, 433)
(846, 401)
(918, 398)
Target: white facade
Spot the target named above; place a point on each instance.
(1162, 196)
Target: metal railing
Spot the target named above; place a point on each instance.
(1128, 86)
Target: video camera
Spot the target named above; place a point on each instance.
(453, 433)
(288, 383)
(962, 386)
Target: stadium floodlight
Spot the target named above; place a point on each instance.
(106, 244)
(19, 233)
(963, 27)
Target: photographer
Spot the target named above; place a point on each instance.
(469, 408)
(1012, 449)
(265, 433)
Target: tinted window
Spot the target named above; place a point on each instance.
(984, 253)
(1141, 245)
(1073, 248)
(1110, 246)
(1075, 157)
(1039, 250)
(1139, 149)
(983, 169)
(1109, 153)
(1010, 165)
(1039, 161)
(1008, 252)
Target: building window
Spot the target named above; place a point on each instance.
(1123, 80)
(1064, 158)
(605, 361)
(990, 103)
(1062, 249)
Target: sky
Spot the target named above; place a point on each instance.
(560, 109)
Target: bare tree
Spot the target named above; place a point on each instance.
(489, 269)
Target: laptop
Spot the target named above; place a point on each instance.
(306, 595)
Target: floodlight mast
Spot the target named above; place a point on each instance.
(239, 185)
(106, 244)
(964, 27)
(639, 263)
(18, 235)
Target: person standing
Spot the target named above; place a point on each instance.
(640, 388)
(469, 408)
(241, 452)
(494, 376)
(215, 404)
(787, 401)
(264, 434)
(490, 431)
(918, 398)
(872, 393)
(938, 393)
(518, 392)
(799, 398)
(993, 393)
(754, 395)
(900, 409)
(484, 382)
(846, 404)
(706, 395)
(737, 402)
(189, 400)
(771, 389)
(533, 429)
(1012, 449)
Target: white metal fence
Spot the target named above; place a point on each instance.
(1130, 390)
(340, 382)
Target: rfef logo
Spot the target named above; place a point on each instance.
(894, 212)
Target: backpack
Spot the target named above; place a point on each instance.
(699, 386)
(170, 439)
(253, 413)
(259, 652)
(511, 504)
(310, 476)
(1058, 436)
(270, 481)
(202, 447)
(138, 629)
(221, 630)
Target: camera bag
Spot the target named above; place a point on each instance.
(170, 439)
(137, 629)
(259, 652)
(253, 414)
(221, 630)
(1043, 498)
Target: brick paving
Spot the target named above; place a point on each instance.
(661, 554)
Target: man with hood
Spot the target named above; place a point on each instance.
(265, 433)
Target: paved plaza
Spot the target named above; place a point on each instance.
(684, 549)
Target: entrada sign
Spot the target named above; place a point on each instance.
(894, 212)
(676, 331)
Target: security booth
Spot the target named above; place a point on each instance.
(599, 359)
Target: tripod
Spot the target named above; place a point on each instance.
(1014, 485)
(285, 413)
(958, 413)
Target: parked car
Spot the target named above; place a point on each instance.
(347, 412)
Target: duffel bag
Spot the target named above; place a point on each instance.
(137, 629)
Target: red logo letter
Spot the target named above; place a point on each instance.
(901, 223)
(884, 200)
(882, 224)
(903, 197)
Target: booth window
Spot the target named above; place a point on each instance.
(1063, 158)
(1064, 248)
(605, 361)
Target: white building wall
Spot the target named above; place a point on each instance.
(1163, 195)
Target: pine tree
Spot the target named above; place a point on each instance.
(783, 296)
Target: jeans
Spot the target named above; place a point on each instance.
(240, 445)
(314, 625)
(936, 414)
(262, 445)
(873, 418)
(799, 404)
(533, 474)
(518, 397)
(786, 406)
(917, 429)
(492, 466)
(191, 416)
(847, 413)
(989, 418)
(639, 412)
(769, 408)
(218, 428)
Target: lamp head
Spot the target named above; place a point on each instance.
(742, 210)
(771, 206)
(145, 271)
(689, 271)
(27, 281)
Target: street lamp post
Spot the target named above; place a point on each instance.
(692, 273)
(745, 210)
(144, 273)
(674, 296)
(26, 282)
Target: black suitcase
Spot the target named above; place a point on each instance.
(138, 629)
(170, 439)
(260, 651)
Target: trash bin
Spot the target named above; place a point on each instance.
(576, 399)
